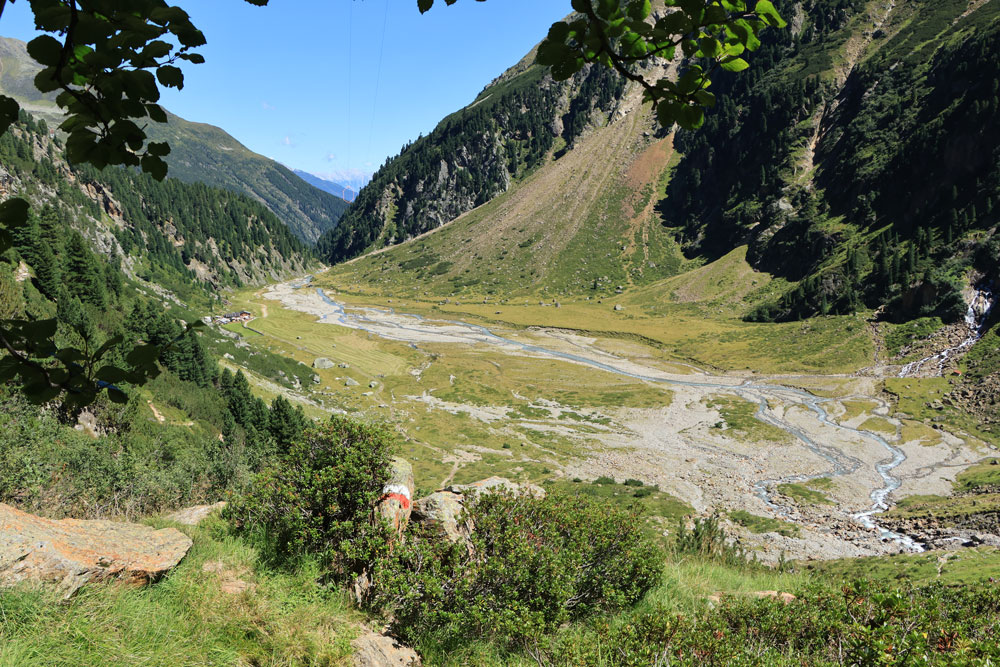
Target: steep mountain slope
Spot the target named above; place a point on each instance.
(581, 222)
(857, 160)
(473, 155)
(200, 154)
(336, 189)
(190, 239)
(860, 161)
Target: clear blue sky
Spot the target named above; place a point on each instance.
(296, 80)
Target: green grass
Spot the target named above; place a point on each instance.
(185, 619)
(807, 492)
(985, 475)
(898, 336)
(763, 524)
(914, 397)
(854, 409)
(966, 566)
(946, 508)
(878, 425)
(738, 415)
(658, 503)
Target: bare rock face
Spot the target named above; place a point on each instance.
(192, 516)
(72, 552)
(397, 496)
(375, 650)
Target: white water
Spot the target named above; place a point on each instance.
(975, 321)
(409, 328)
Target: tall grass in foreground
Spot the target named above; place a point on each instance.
(185, 619)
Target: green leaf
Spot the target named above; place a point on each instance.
(46, 49)
(159, 149)
(154, 166)
(9, 109)
(734, 64)
(111, 375)
(170, 76)
(691, 117)
(142, 355)
(765, 9)
(639, 9)
(424, 5)
(117, 396)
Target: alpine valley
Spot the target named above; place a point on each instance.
(768, 345)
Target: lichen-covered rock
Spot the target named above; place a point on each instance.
(440, 512)
(493, 484)
(70, 552)
(397, 496)
(375, 650)
(322, 363)
(192, 516)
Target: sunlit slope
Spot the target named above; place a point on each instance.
(584, 217)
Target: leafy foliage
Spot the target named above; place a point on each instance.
(863, 623)
(530, 566)
(320, 498)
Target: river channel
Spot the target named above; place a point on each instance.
(414, 329)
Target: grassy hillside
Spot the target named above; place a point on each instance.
(200, 153)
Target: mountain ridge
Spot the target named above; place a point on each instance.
(200, 152)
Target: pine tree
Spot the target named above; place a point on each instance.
(285, 422)
(84, 276)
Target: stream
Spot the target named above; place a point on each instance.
(975, 320)
(410, 328)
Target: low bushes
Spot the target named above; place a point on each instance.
(319, 499)
(530, 566)
(861, 624)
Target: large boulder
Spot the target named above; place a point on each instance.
(397, 495)
(440, 512)
(375, 650)
(322, 363)
(192, 516)
(70, 553)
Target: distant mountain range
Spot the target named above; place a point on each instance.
(199, 153)
(345, 192)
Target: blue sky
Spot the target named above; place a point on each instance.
(299, 80)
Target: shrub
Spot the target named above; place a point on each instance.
(530, 566)
(706, 538)
(633, 482)
(604, 479)
(320, 498)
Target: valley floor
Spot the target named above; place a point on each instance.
(802, 462)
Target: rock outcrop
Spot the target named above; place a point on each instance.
(375, 650)
(70, 552)
(192, 516)
(440, 512)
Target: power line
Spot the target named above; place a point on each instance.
(350, 55)
(378, 78)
